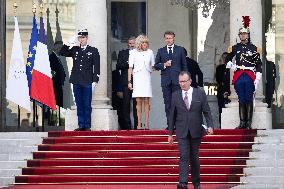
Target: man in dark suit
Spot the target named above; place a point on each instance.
(171, 60)
(122, 66)
(117, 96)
(270, 82)
(187, 107)
(58, 73)
(194, 70)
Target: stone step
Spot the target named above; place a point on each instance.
(16, 156)
(29, 135)
(4, 157)
(268, 147)
(263, 179)
(264, 171)
(19, 142)
(12, 164)
(273, 132)
(5, 181)
(23, 149)
(10, 172)
(279, 154)
(268, 140)
(259, 186)
(265, 163)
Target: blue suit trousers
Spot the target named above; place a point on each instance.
(83, 99)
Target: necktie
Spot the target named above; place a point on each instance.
(186, 100)
(170, 53)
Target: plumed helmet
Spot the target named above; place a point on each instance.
(245, 25)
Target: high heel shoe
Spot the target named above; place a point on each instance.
(146, 128)
(139, 128)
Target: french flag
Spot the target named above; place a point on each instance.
(41, 84)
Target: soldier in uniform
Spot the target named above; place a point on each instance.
(247, 74)
(84, 75)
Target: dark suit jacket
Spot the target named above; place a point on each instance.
(122, 65)
(58, 77)
(223, 80)
(189, 120)
(170, 74)
(194, 70)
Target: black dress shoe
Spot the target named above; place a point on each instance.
(86, 129)
(168, 128)
(197, 186)
(79, 129)
(182, 186)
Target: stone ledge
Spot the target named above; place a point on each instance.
(262, 118)
(259, 186)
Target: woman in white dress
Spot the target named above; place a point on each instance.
(141, 63)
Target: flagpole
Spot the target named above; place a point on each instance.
(43, 106)
(15, 6)
(43, 110)
(34, 106)
(34, 114)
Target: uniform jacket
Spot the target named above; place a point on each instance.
(170, 74)
(189, 120)
(86, 64)
(246, 55)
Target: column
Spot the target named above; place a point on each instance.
(93, 16)
(262, 118)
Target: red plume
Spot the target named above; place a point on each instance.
(246, 21)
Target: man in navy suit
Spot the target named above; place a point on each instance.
(171, 60)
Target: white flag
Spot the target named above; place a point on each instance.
(17, 84)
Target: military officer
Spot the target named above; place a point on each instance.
(247, 74)
(84, 75)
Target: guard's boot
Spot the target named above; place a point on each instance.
(249, 107)
(242, 115)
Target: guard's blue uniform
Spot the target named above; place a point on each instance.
(248, 63)
(85, 71)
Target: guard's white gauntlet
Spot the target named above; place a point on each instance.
(72, 41)
(231, 65)
(257, 79)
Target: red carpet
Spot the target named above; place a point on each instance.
(122, 159)
(204, 186)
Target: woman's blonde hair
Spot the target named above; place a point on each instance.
(139, 41)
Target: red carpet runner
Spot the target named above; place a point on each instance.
(125, 158)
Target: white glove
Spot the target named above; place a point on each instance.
(72, 41)
(231, 65)
(93, 86)
(257, 79)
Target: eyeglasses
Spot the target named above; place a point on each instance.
(183, 81)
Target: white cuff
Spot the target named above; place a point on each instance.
(229, 64)
(258, 76)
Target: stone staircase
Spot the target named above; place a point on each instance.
(266, 169)
(15, 149)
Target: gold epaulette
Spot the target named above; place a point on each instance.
(230, 49)
(258, 50)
